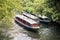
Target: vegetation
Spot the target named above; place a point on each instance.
(7, 9)
(7, 12)
(49, 8)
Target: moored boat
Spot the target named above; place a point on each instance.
(44, 19)
(39, 19)
(31, 16)
(27, 22)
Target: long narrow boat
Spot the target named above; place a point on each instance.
(27, 22)
(31, 16)
(44, 19)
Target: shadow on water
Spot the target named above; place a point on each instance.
(35, 31)
(31, 33)
(50, 31)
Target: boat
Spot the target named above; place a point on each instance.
(31, 16)
(44, 19)
(39, 19)
(27, 22)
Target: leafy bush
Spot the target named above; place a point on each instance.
(49, 8)
(7, 9)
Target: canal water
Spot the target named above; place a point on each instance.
(47, 31)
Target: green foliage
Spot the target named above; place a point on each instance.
(52, 7)
(49, 8)
(7, 9)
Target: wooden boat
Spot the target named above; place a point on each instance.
(27, 22)
(31, 16)
(37, 19)
(44, 19)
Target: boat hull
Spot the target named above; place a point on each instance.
(29, 27)
(45, 21)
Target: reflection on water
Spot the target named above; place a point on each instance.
(46, 32)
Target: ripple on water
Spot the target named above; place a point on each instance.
(44, 33)
(22, 37)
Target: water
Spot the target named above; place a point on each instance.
(50, 32)
(46, 32)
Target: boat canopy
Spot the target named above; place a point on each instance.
(29, 15)
(26, 19)
(44, 16)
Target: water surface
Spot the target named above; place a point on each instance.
(46, 32)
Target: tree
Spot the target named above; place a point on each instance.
(48, 8)
(7, 9)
